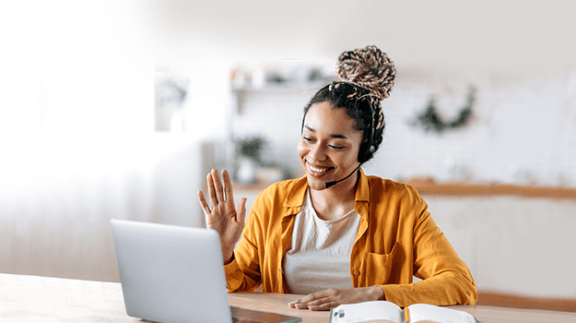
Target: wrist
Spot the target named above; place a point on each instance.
(378, 293)
(228, 256)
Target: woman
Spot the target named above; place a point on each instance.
(337, 235)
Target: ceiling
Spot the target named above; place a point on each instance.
(496, 36)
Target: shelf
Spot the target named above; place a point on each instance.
(428, 187)
(286, 87)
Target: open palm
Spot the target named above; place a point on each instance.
(224, 216)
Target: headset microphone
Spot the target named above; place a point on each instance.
(330, 184)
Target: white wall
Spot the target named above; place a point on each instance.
(516, 53)
(513, 36)
(522, 132)
(83, 71)
(77, 140)
(87, 67)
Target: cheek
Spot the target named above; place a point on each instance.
(352, 157)
(301, 149)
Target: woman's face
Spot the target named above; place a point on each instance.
(329, 145)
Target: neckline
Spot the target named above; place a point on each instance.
(320, 220)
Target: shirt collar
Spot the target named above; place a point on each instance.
(363, 188)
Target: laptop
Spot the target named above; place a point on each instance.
(175, 274)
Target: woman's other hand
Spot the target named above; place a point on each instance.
(223, 217)
(326, 299)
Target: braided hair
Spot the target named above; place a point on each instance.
(367, 76)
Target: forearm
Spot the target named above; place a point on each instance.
(447, 289)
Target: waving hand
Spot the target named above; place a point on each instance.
(223, 216)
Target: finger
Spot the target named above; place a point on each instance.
(206, 208)
(203, 202)
(317, 301)
(299, 305)
(315, 296)
(304, 301)
(322, 303)
(211, 189)
(323, 306)
(218, 186)
(228, 190)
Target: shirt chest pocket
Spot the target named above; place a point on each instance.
(381, 269)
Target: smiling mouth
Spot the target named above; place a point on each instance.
(318, 171)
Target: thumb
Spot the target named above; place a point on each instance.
(205, 206)
(241, 211)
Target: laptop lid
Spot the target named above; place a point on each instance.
(171, 273)
(175, 274)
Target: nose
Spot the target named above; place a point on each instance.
(318, 152)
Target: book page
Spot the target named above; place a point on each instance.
(366, 312)
(437, 314)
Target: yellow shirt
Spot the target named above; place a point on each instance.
(397, 239)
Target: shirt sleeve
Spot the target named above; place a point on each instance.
(446, 280)
(243, 272)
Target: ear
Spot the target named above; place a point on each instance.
(366, 152)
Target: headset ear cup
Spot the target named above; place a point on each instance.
(366, 154)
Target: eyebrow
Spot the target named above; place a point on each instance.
(336, 135)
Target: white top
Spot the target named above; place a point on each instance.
(319, 257)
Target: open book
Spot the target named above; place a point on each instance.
(388, 312)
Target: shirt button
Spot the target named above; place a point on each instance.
(356, 273)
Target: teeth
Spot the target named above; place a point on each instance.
(318, 170)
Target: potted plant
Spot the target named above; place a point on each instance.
(249, 152)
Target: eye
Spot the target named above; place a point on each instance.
(337, 147)
(307, 139)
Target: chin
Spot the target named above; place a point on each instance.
(317, 184)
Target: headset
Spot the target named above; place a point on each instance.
(371, 149)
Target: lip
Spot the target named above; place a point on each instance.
(318, 171)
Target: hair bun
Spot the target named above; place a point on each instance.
(369, 68)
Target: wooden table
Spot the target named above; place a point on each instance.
(44, 299)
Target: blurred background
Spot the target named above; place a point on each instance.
(118, 109)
